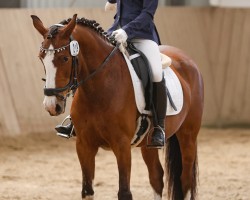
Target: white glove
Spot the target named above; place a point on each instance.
(120, 35)
(110, 6)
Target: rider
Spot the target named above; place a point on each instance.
(134, 23)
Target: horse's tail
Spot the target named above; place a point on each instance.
(174, 169)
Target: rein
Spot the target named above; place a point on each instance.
(73, 83)
(99, 68)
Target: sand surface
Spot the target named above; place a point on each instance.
(46, 167)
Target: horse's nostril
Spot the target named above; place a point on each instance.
(58, 108)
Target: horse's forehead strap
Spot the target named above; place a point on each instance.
(74, 46)
(43, 50)
(52, 31)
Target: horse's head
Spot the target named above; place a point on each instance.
(57, 54)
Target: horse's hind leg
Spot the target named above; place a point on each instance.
(155, 171)
(187, 138)
(86, 155)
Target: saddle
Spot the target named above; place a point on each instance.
(141, 66)
(142, 69)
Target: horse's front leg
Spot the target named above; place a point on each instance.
(86, 154)
(122, 152)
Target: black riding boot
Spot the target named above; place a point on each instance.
(160, 104)
(65, 131)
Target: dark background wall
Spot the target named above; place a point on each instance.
(10, 3)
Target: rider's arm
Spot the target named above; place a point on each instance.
(142, 20)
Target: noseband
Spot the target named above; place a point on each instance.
(73, 83)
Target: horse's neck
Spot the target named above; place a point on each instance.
(94, 50)
(111, 89)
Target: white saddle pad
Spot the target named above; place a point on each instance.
(172, 83)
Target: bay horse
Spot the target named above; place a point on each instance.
(104, 111)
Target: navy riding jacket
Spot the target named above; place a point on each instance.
(136, 18)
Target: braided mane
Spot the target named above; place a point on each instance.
(94, 26)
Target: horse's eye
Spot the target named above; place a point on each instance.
(65, 59)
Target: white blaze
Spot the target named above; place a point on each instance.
(50, 101)
(50, 68)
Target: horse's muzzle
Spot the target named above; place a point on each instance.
(54, 106)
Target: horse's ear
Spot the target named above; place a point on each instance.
(39, 25)
(66, 32)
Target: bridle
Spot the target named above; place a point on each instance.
(73, 83)
(73, 76)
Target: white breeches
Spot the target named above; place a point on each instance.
(152, 52)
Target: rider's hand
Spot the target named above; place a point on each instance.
(120, 35)
(110, 6)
